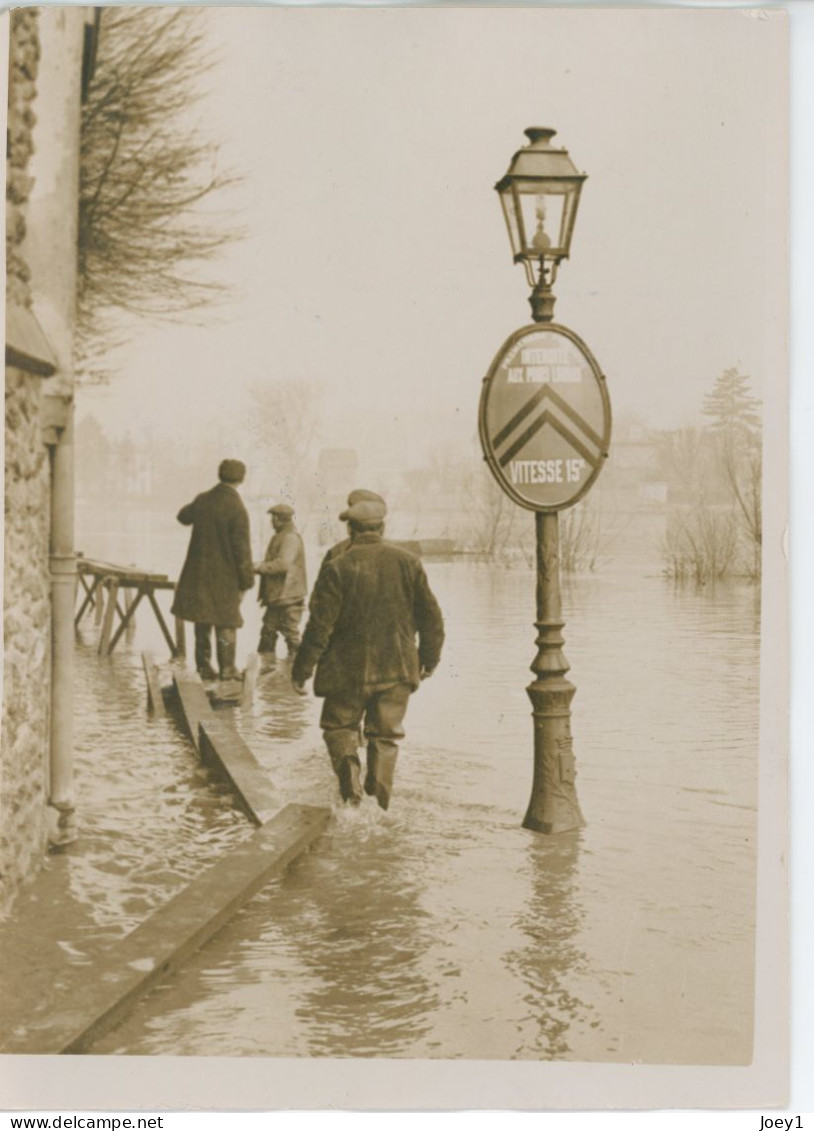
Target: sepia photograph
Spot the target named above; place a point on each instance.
(395, 683)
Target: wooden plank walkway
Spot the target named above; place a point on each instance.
(195, 704)
(155, 696)
(96, 1000)
(218, 742)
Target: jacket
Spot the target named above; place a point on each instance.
(282, 574)
(367, 608)
(218, 564)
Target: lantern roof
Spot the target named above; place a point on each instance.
(539, 161)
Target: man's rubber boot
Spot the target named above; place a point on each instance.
(385, 769)
(350, 784)
(345, 761)
(226, 657)
(203, 656)
(370, 776)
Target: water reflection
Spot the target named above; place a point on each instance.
(367, 993)
(550, 920)
(280, 712)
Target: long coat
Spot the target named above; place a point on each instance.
(218, 565)
(367, 607)
(282, 573)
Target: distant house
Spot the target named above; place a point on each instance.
(633, 478)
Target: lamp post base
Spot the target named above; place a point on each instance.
(553, 807)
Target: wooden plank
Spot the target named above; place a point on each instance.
(107, 623)
(195, 705)
(110, 569)
(71, 1018)
(220, 744)
(250, 679)
(155, 698)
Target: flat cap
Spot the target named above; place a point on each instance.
(368, 510)
(282, 509)
(232, 471)
(360, 495)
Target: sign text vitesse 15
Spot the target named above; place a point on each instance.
(545, 417)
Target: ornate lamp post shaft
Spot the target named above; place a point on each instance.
(553, 807)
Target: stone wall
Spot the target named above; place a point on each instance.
(26, 594)
(26, 628)
(24, 57)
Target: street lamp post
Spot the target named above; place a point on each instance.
(545, 431)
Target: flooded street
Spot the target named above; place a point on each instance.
(442, 928)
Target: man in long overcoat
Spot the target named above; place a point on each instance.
(283, 583)
(217, 570)
(368, 606)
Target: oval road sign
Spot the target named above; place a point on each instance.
(545, 418)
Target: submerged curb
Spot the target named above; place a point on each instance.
(85, 1010)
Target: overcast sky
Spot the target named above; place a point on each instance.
(377, 261)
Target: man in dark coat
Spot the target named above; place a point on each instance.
(367, 607)
(283, 583)
(218, 568)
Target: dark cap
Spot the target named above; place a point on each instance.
(283, 510)
(232, 471)
(368, 510)
(360, 495)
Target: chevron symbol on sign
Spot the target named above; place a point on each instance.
(534, 414)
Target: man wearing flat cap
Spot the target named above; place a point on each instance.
(283, 584)
(359, 495)
(217, 570)
(374, 632)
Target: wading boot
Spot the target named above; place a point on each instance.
(203, 654)
(226, 648)
(350, 784)
(380, 780)
(370, 775)
(345, 761)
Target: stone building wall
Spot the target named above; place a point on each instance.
(24, 57)
(26, 594)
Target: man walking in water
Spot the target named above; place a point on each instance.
(217, 570)
(283, 584)
(368, 605)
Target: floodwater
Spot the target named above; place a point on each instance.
(442, 928)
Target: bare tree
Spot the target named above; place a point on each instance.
(147, 174)
(700, 542)
(283, 428)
